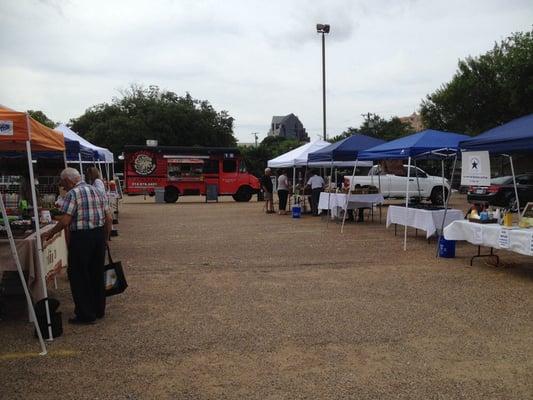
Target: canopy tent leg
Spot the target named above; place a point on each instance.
(328, 215)
(443, 189)
(447, 199)
(293, 186)
(515, 187)
(65, 159)
(347, 197)
(113, 170)
(81, 168)
(417, 182)
(304, 184)
(38, 239)
(13, 247)
(107, 171)
(100, 168)
(406, 204)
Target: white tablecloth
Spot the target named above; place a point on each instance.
(337, 201)
(55, 257)
(426, 220)
(490, 235)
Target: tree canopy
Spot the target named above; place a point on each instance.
(151, 113)
(378, 127)
(272, 146)
(486, 91)
(41, 117)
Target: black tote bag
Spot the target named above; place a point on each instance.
(114, 279)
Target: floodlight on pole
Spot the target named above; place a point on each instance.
(323, 29)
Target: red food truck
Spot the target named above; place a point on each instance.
(183, 171)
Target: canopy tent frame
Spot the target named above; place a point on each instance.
(40, 254)
(16, 257)
(27, 134)
(426, 144)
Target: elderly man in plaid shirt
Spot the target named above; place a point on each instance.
(89, 221)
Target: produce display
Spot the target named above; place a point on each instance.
(19, 227)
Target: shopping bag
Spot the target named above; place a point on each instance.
(114, 279)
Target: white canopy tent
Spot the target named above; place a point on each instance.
(102, 155)
(297, 157)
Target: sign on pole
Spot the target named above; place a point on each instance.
(475, 168)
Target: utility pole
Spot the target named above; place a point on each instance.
(255, 135)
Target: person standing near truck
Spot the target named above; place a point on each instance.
(316, 182)
(266, 186)
(283, 192)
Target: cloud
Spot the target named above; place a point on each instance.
(253, 58)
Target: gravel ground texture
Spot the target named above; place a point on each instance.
(227, 302)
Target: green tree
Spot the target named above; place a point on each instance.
(378, 127)
(41, 117)
(270, 147)
(486, 91)
(151, 113)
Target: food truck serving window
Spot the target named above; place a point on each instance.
(185, 168)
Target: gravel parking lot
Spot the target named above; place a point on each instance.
(227, 302)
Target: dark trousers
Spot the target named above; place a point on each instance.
(86, 259)
(315, 197)
(283, 195)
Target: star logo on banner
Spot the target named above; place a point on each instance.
(474, 164)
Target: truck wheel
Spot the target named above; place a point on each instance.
(171, 194)
(244, 194)
(436, 196)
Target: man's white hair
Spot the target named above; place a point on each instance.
(267, 170)
(71, 174)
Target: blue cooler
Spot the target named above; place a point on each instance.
(446, 248)
(296, 211)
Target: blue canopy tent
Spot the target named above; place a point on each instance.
(512, 137)
(344, 150)
(428, 144)
(73, 151)
(342, 154)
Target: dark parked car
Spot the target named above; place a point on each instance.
(501, 192)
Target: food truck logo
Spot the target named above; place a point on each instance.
(144, 163)
(6, 128)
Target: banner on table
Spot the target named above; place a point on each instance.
(475, 168)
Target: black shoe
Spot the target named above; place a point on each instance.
(77, 321)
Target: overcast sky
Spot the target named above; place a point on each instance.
(254, 59)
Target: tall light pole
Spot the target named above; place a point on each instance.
(323, 29)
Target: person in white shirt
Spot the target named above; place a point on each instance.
(316, 182)
(283, 191)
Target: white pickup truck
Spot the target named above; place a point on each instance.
(421, 185)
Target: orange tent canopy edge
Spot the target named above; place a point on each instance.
(18, 127)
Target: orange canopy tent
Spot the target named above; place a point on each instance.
(17, 128)
(19, 132)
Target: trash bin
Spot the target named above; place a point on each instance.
(211, 192)
(159, 195)
(296, 211)
(446, 248)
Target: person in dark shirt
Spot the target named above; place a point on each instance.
(266, 186)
